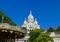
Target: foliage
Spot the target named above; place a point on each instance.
(6, 19)
(44, 38)
(51, 29)
(34, 34)
(37, 36)
(58, 29)
(24, 28)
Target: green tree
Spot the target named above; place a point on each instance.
(34, 33)
(6, 19)
(44, 38)
(51, 29)
(37, 35)
(58, 29)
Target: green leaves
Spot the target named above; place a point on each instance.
(44, 38)
(51, 29)
(37, 35)
(6, 19)
(58, 29)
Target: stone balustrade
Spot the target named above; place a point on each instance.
(11, 27)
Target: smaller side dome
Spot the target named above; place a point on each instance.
(25, 22)
(36, 21)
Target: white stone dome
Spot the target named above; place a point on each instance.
(30, 16)
(25, 22)
(36, 21)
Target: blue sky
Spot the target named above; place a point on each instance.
(47, 12)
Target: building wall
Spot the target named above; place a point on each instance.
(56, 39)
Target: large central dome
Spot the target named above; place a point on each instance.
(30, 17)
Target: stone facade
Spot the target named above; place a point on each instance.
(31, 23)
(56, 36)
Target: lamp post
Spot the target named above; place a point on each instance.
(2, 19)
